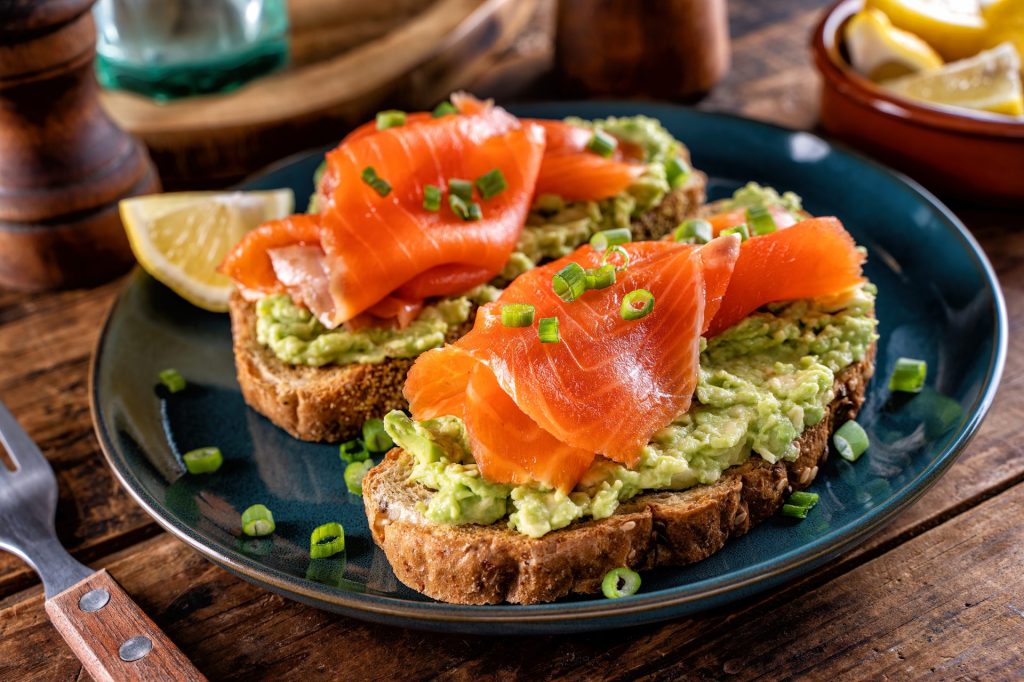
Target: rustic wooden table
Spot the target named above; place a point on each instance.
(940, 591)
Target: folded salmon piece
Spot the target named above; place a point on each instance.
(374, 233)
(541, 411)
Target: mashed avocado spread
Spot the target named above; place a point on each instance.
(554, 228)
(296, 337)
(762, 382)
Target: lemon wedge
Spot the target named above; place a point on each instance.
(954, 28)
(989, 81)
(181, 238)
(1005, 23)
(881, 51)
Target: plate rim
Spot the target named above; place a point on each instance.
(598, 612)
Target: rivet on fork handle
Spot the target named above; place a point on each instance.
(111, 635)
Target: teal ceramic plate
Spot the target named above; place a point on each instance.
(938, 300)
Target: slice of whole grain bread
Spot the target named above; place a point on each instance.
(331, 403)
(472, 564)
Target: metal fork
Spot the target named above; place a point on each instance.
(108, 632)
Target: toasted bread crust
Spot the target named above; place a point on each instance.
(474, 564)
(331, 403)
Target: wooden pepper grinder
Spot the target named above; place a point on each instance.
(64, 164)
(666, 49)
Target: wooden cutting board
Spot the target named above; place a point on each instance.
(411, 62)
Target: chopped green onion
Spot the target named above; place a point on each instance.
(203, 460)
(742, 230)
(850, 440)
(602, 144)
(802, 498)
(375, 437)
(760, 220)
(464, 211)
(620, 582)
(391, 118)
(676, 172)
(570, 282)
(491, 184)
(353, 451)
(601, 278)
(607, 259)
(605, 238)
(794, 511)
(636, 304)
(172, 380)
(354, 474)
(517, 314)
(379, 185)
(432, 198)
(547, 330)
(460, 188)
(444, 108)
(798, 504)
(694, 231)
(327, 540)
(257, 521)
(908, 375)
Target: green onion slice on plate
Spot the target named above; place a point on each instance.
(258, 521)
(908, 376)
(850, 440)
(172, 380)
(375, 437)
(354, 473)
(203, 460)
(620, 582)
(327, 540)
(798, 504)
(353, 451)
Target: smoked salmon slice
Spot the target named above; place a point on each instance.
(376, 243)
(537, 411)
(815, 257)
(575, 173)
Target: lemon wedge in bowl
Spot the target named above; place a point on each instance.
(881, 51)
(954, 28)
(181, 238)
(1005, 23)
(989, 81)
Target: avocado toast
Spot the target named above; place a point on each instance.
(469, 509)
(320, 380)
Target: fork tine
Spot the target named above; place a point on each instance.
(22, 450)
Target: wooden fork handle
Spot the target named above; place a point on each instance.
(111, 635)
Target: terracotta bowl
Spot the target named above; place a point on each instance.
(970, 155)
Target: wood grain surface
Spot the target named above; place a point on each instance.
(937, 594)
